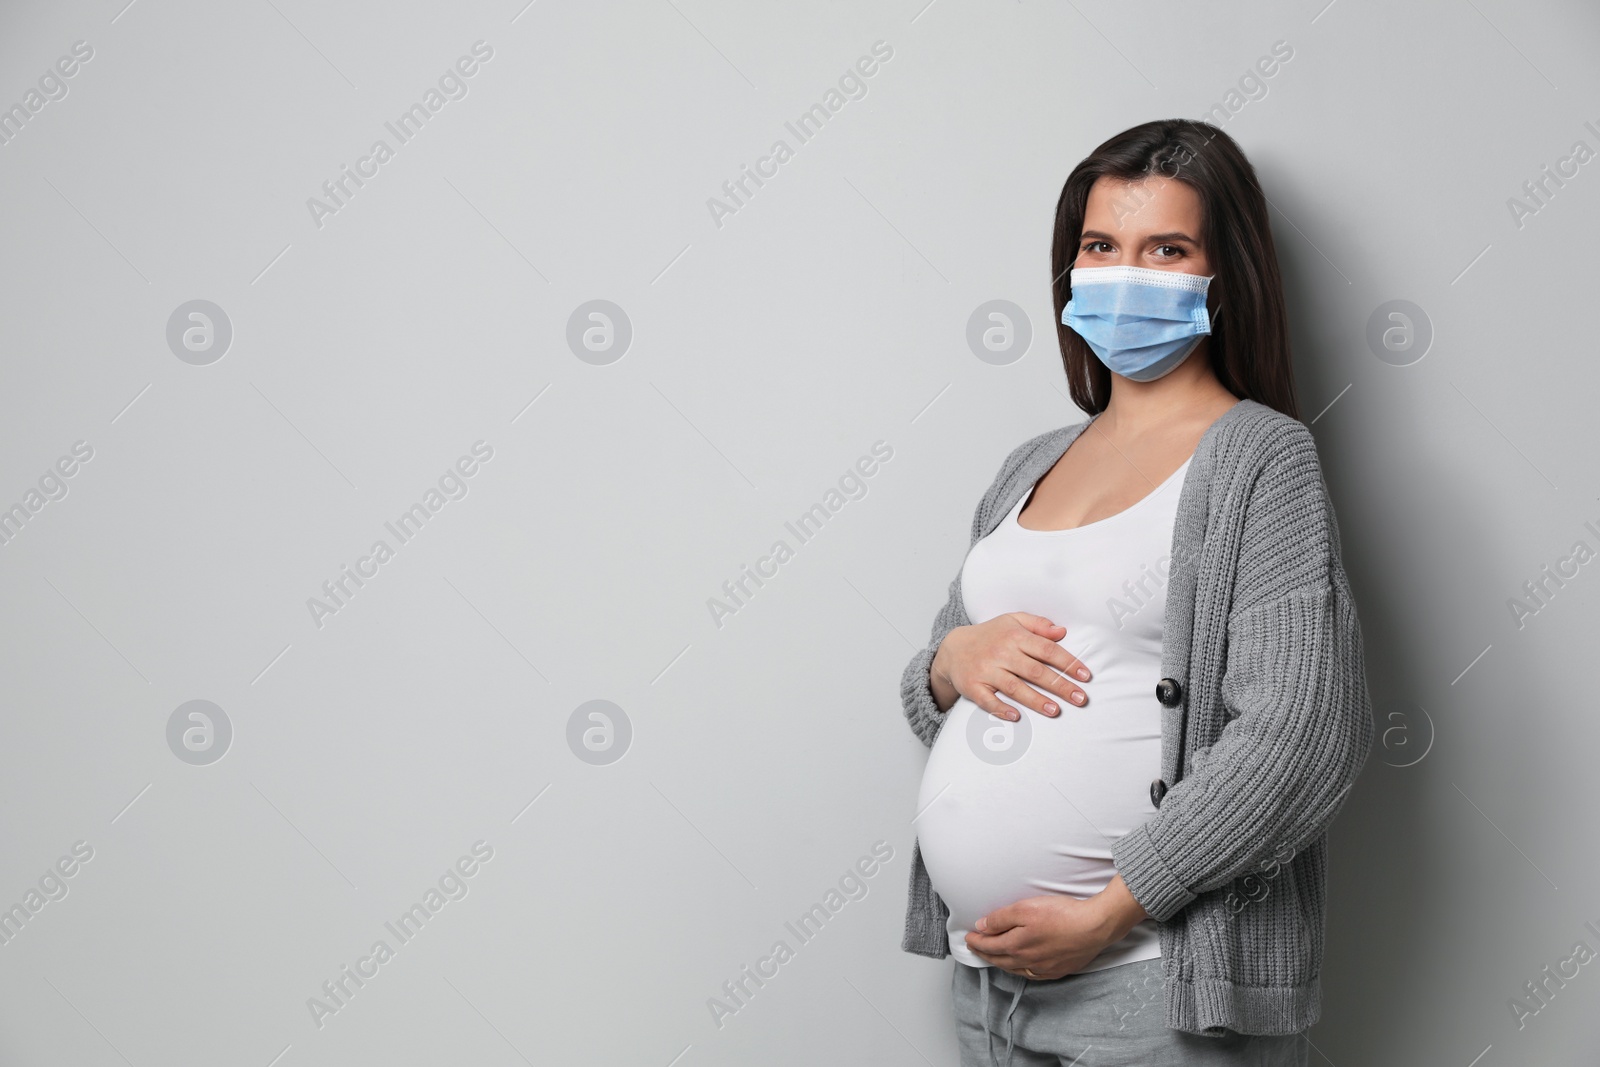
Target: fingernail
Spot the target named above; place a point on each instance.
(1050, 709)
(1077, 698)
(1081, 674)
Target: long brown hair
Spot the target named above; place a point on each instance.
(1249, 342)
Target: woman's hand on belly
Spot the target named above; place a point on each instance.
(1057, 935)
(1011, 654)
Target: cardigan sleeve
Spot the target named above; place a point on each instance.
(916, 687)
(1294, 690)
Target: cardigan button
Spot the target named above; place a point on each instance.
(1169, 692)
(1158, 789)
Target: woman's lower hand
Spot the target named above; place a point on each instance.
(1015, 654)
(1053, 936)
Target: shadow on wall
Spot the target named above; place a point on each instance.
(1391, 939)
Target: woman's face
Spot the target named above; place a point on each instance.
(1153, 223)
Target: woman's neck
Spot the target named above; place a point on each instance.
(1188, 393)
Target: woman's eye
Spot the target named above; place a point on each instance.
(1168, 251)
(1095, 246)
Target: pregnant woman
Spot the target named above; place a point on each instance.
(1145, 696)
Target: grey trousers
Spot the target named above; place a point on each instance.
(1106, 1018)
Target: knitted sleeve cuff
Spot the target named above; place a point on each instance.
(1147, 875)
(916, 696)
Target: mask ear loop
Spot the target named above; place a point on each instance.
(1211, 332)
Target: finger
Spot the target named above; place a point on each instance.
(988, 701)
(1040, 625)
(979, 946)
(998, 921)
(1056, 656)
(996, 949)
(991, 961)
(1042, 677)
(1044, 644)
(1027, 696)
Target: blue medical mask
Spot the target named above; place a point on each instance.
(1141, 322)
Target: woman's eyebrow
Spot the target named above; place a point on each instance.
(1154, 238)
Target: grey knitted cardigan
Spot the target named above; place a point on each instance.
(1272, 728)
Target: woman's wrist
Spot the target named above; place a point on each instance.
(1119, 911)
(944, 692)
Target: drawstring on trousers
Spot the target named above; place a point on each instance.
(1011, 1023)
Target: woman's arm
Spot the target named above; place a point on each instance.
(1295, 688)
(924, 708)
(1055, 935)
(1019, 657)
(939, 684)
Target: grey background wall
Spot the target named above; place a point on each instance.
(631, 461)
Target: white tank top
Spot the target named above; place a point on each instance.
(1015, 810)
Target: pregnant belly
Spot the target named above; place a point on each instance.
(1015, 810)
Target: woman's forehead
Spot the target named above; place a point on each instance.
(1152, 205)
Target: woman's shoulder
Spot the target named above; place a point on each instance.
(1254, 435)
(1041, 444)
(1248, 435)
(1040, 449)
(1030, 459)
(1270, 479)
